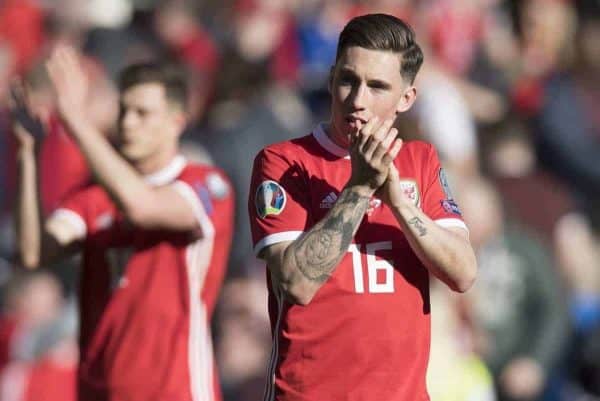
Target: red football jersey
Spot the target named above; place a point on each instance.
(366, 333)
(147, 296)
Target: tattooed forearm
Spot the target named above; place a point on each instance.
(319, 251)
(418, 224)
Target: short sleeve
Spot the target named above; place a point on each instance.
(74, 211)
(278, 200)
(438, 201)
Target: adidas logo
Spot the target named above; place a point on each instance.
(328, 201)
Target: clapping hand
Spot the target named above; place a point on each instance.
(373, 148)
(27, 127)
(69, 81)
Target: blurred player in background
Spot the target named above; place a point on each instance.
(155, 233)
(351, 222)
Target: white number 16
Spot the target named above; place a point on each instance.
(373, 266)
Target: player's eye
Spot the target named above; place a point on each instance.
(347, 80)
(379, 86)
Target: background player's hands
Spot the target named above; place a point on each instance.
(69, 81)
(373, 148)
(27, 126)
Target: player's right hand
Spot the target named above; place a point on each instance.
(27, 127)
(69, 81)
(373, 148)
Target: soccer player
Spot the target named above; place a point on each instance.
(155, 233)
(362, 221)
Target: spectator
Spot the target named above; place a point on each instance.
(510, 160)
(31, 302)
(50, 372)
(579, 259)
(192, 45)
(243, 337)
(456, 372)
(567, 129)
(517, 301)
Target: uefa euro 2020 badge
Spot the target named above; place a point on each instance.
(270, 199)
(217, 186)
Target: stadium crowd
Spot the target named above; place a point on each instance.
(508, 94)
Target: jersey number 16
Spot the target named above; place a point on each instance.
(374, 266)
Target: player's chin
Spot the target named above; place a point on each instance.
(348, 130)
(130, 153)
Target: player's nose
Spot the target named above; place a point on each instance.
(359, 97)
(128, 119)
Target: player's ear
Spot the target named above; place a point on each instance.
(330, 79)
(180, 118)
(408, 98)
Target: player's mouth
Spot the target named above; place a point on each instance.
(126, 137)
(355, 122)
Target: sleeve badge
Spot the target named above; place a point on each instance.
(217, 186)
(445, 184)
(270, 199)
(448, 204)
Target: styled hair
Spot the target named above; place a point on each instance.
(170, 76)
(384, 32)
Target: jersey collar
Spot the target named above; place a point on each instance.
(323, 139)
(168, 173)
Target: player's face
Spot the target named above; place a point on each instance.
(148, 123)
(366, 83)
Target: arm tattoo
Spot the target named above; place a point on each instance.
(319, 251)
(418, 224)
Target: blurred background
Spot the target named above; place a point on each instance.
(509, 94)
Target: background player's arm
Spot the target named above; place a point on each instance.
(145, 206)
(37, 245)
(301, 267)
(446, 252)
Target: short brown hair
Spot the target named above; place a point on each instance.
(384, 32)
(172, 77)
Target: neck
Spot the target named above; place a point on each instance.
(334, 134)
(153, 164)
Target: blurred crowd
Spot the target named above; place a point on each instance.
(508, 94)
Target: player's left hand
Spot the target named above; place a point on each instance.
(27, 125)
(69, 81)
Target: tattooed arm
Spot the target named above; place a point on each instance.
(445, 252)
(301, 267)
